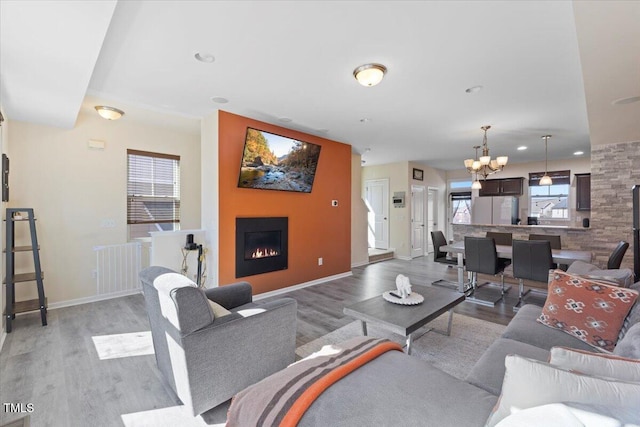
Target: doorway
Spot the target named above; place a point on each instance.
(376, 196)
(432, 215)
(417, 221)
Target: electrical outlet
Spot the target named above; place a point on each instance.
(334, 203)
(320, 261)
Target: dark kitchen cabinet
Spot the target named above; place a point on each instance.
(583, 191)
(511, 186)
(490, 188)
(501, 187)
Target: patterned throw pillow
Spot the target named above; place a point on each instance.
(590, 311)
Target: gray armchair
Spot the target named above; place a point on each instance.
(207, 359)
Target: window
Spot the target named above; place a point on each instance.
(461, 207)
(549, 201)
(153, 192)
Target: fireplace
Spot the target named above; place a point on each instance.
(261, 245)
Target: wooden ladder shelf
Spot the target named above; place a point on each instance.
(16, 215)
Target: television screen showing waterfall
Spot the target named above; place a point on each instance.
(275, 162)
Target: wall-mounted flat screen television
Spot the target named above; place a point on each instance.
(276, 162)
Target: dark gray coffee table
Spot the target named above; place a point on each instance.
(406, 319)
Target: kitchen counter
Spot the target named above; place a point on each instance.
(573, 238)
(524, 227)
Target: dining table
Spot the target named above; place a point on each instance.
(560, 256)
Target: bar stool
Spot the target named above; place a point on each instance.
(532, 260)
(481, 257)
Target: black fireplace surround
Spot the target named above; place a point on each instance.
(261, 245)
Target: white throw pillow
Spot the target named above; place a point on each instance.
(218, 310)
(559, 415)
(529, 383)
(602, 365)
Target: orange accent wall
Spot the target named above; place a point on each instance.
(316, 229)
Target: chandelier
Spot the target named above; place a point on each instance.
(485, 166)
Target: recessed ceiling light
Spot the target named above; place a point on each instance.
(323, 130)
(205, 57)
(365, 120)
(578, 153)
(522, 148)
(623, 101)
(219, 100)
(473, 89)
(284, 119)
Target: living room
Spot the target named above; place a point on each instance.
(78, 190)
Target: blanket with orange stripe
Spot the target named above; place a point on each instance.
(282, 398)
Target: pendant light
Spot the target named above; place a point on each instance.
(546, 179)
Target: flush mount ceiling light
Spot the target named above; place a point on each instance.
(219, 100)
(578, 153)
(369, 74)
(546, 179)
(624, 101)
(109, 113)
(522, 148)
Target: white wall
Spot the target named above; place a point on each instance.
(436, 179)
(359, 252)
(73, 189)
(209, 193)
(399, 218)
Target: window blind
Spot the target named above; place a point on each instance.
(558, 177)
(153, 188)
(461, 195)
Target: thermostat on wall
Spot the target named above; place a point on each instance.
(398, 199)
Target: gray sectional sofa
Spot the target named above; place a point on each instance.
(396, 389)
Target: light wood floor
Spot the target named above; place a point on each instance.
(57, 367)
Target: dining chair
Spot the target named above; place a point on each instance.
(481, 257)
(531, 260)
(500, 238)
(504, 239)
(616, 256)
(438, 239)
(555, 244)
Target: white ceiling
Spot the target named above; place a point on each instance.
(294, 60)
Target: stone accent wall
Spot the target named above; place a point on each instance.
(615, 169)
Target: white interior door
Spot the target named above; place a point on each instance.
(377, 198)
(417, 221)
(432, 215)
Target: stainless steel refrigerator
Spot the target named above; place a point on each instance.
(495, 210)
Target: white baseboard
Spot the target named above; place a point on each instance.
(404, 258)
(90, 299)
(359, 264)
(3, 335)
(302, 285)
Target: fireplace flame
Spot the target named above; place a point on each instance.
(264, 253)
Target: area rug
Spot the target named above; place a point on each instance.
(455, 354)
